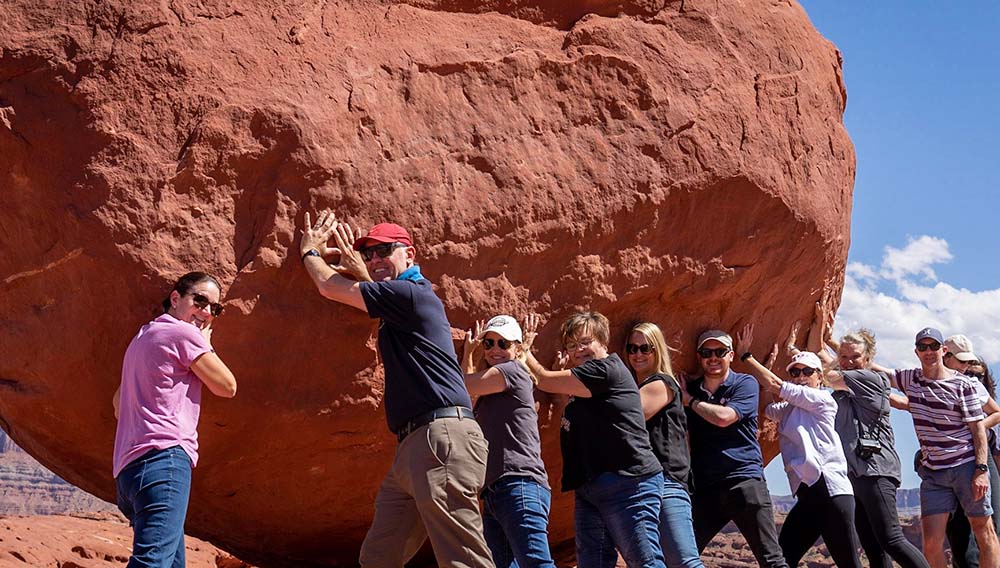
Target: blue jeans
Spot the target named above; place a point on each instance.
(153, 494)
(516, 521)
(615, 511)
(677, 527)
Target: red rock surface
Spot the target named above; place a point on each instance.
(96, 541)
(682, 161)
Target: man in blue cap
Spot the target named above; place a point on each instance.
(948, 419)
(431, 490)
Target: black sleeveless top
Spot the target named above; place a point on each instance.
(668, 434)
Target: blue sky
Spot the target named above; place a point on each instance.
(923, 91)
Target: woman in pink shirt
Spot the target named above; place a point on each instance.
(157, 406)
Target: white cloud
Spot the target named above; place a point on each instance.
(916, 258)
(903, 295)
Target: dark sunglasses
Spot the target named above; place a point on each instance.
(201, 302)
(383, 250)
(706, 353)
(795, 372)
(503, 343)
(645, 348)
(921, 347)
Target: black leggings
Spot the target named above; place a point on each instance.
(878, 525)
(817, 514)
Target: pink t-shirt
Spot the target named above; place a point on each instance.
(160, 395)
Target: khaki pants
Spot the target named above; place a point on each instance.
(432, 491)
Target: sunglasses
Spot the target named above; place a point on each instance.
(645, 348)
(383, 250)
(201, 302)
(921, 347)
(502, 343)
(579, 344)
(719, 352)
(795, 372)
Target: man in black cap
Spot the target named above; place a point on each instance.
(431, 489)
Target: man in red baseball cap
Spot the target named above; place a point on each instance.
(426, 404)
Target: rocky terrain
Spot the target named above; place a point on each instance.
(91, 541)
(27, 488)
(683, 161)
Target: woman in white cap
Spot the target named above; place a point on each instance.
(516, 494)
(813, 456)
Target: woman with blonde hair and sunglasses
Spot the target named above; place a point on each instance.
(516, 494)
(662, 406)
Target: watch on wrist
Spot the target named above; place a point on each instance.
(982, 467)
(746, 356)
(311, 252)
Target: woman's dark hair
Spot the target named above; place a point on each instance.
(186, 282)
(985, 376)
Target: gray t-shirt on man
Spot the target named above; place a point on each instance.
(510, 424)
(867, 400)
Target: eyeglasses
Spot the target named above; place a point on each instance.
(934, 346)
(579, 344)
(706, 353)
(795, 372)
(383, 250)
(645, 348)
(502, 343)
(201, 302)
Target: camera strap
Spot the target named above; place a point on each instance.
(871, 433)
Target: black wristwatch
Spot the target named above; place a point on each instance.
(982, 467)
(311, 252)
(746, 356)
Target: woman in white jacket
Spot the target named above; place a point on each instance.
(813, 456)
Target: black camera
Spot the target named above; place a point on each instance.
(867, 448)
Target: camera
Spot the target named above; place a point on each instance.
(867, 448)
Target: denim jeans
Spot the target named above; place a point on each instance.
(615, 511)
(516, 521)
(677, 528)
(153, 494)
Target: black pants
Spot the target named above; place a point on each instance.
(748, 504)
(877, 522)
(816, 513)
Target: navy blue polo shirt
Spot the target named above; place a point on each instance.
(721, 456)
(414, 340)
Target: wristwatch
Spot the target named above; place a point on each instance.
(746, 356)
(311, 252)
(982, 467)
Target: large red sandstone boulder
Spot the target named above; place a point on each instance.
(680, 161)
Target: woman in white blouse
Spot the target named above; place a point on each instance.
(813, 456)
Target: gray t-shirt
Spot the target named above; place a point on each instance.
(867, 400)
(510, 424)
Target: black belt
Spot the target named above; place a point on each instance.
(425, 419)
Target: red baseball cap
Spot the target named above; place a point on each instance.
(384, 233)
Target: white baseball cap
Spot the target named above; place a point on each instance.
(504, 326)
(961, 347)
(806, 358)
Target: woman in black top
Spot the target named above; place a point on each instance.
(647, 356)
(607, 458)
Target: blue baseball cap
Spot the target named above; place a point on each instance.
(929, 333)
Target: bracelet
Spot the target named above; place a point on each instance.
(746, 356)
(311, 252)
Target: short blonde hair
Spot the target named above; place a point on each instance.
(863, 337)
(654, 336)
(595, 322)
